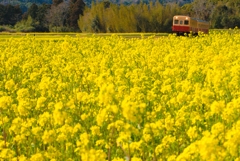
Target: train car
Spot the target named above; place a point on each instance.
(185, 24)
(203, 26)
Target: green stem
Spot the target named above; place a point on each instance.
(17, 152)
(4, 134)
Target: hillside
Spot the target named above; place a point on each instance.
(25, 4)
(129, 2)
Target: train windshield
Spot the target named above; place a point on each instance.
(181, 22)
(186, 22)
(176, 22)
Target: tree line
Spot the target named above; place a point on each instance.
(25, 4)
(76, 16)
(9, 14)
(60, 16)
(108, 17)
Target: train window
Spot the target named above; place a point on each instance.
(181, 22)
(186, 22)
(176, 22)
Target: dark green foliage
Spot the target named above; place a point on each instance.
(95, 24)
(217, 22)
(24, 4)
(233, 21)
(41, 25)
(34, 19)
(32, 11)
(9, 14)
(106, 4)
(2, 14)
(41, 12)
(167, 26)
(225, 16)
(2, 29)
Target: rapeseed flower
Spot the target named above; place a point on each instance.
(101, 98)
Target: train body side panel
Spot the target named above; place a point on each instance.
(178, 28)
(203, 27)
(193, 25)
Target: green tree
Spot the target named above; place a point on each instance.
(2, 14)
(220, 16)
(95, 24)
(41, 25)
(32, 11)
(9, 14)
(41, 12)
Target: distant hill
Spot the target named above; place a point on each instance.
(129, 2)
(25, 4)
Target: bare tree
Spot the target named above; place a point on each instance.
(57, 15)
(203, 9)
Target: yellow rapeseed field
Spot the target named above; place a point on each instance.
(111, 98)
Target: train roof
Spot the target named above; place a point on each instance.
(193, 18)
(199, 20)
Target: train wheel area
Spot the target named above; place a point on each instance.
(189, 34)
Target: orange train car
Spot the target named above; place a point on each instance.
(185, 24)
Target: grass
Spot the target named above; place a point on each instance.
(54, 36)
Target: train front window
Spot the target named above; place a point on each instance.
(186, 22)
(176, 22)
(181, 22)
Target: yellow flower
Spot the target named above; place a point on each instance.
(68, 98)
(95, 130)
(9, 85)
(207, 97)
(84, 116)
(24, 108)
(37, 157)
(40, 102)
(217, 107)
(136, 159)
(118, 159)
(62, 137)
(7, 154)
(5, 102)
(49, 136)
(84, 139)
(192, 133)
(22, 93)
(172, 158)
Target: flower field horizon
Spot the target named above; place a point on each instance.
(111, 98)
